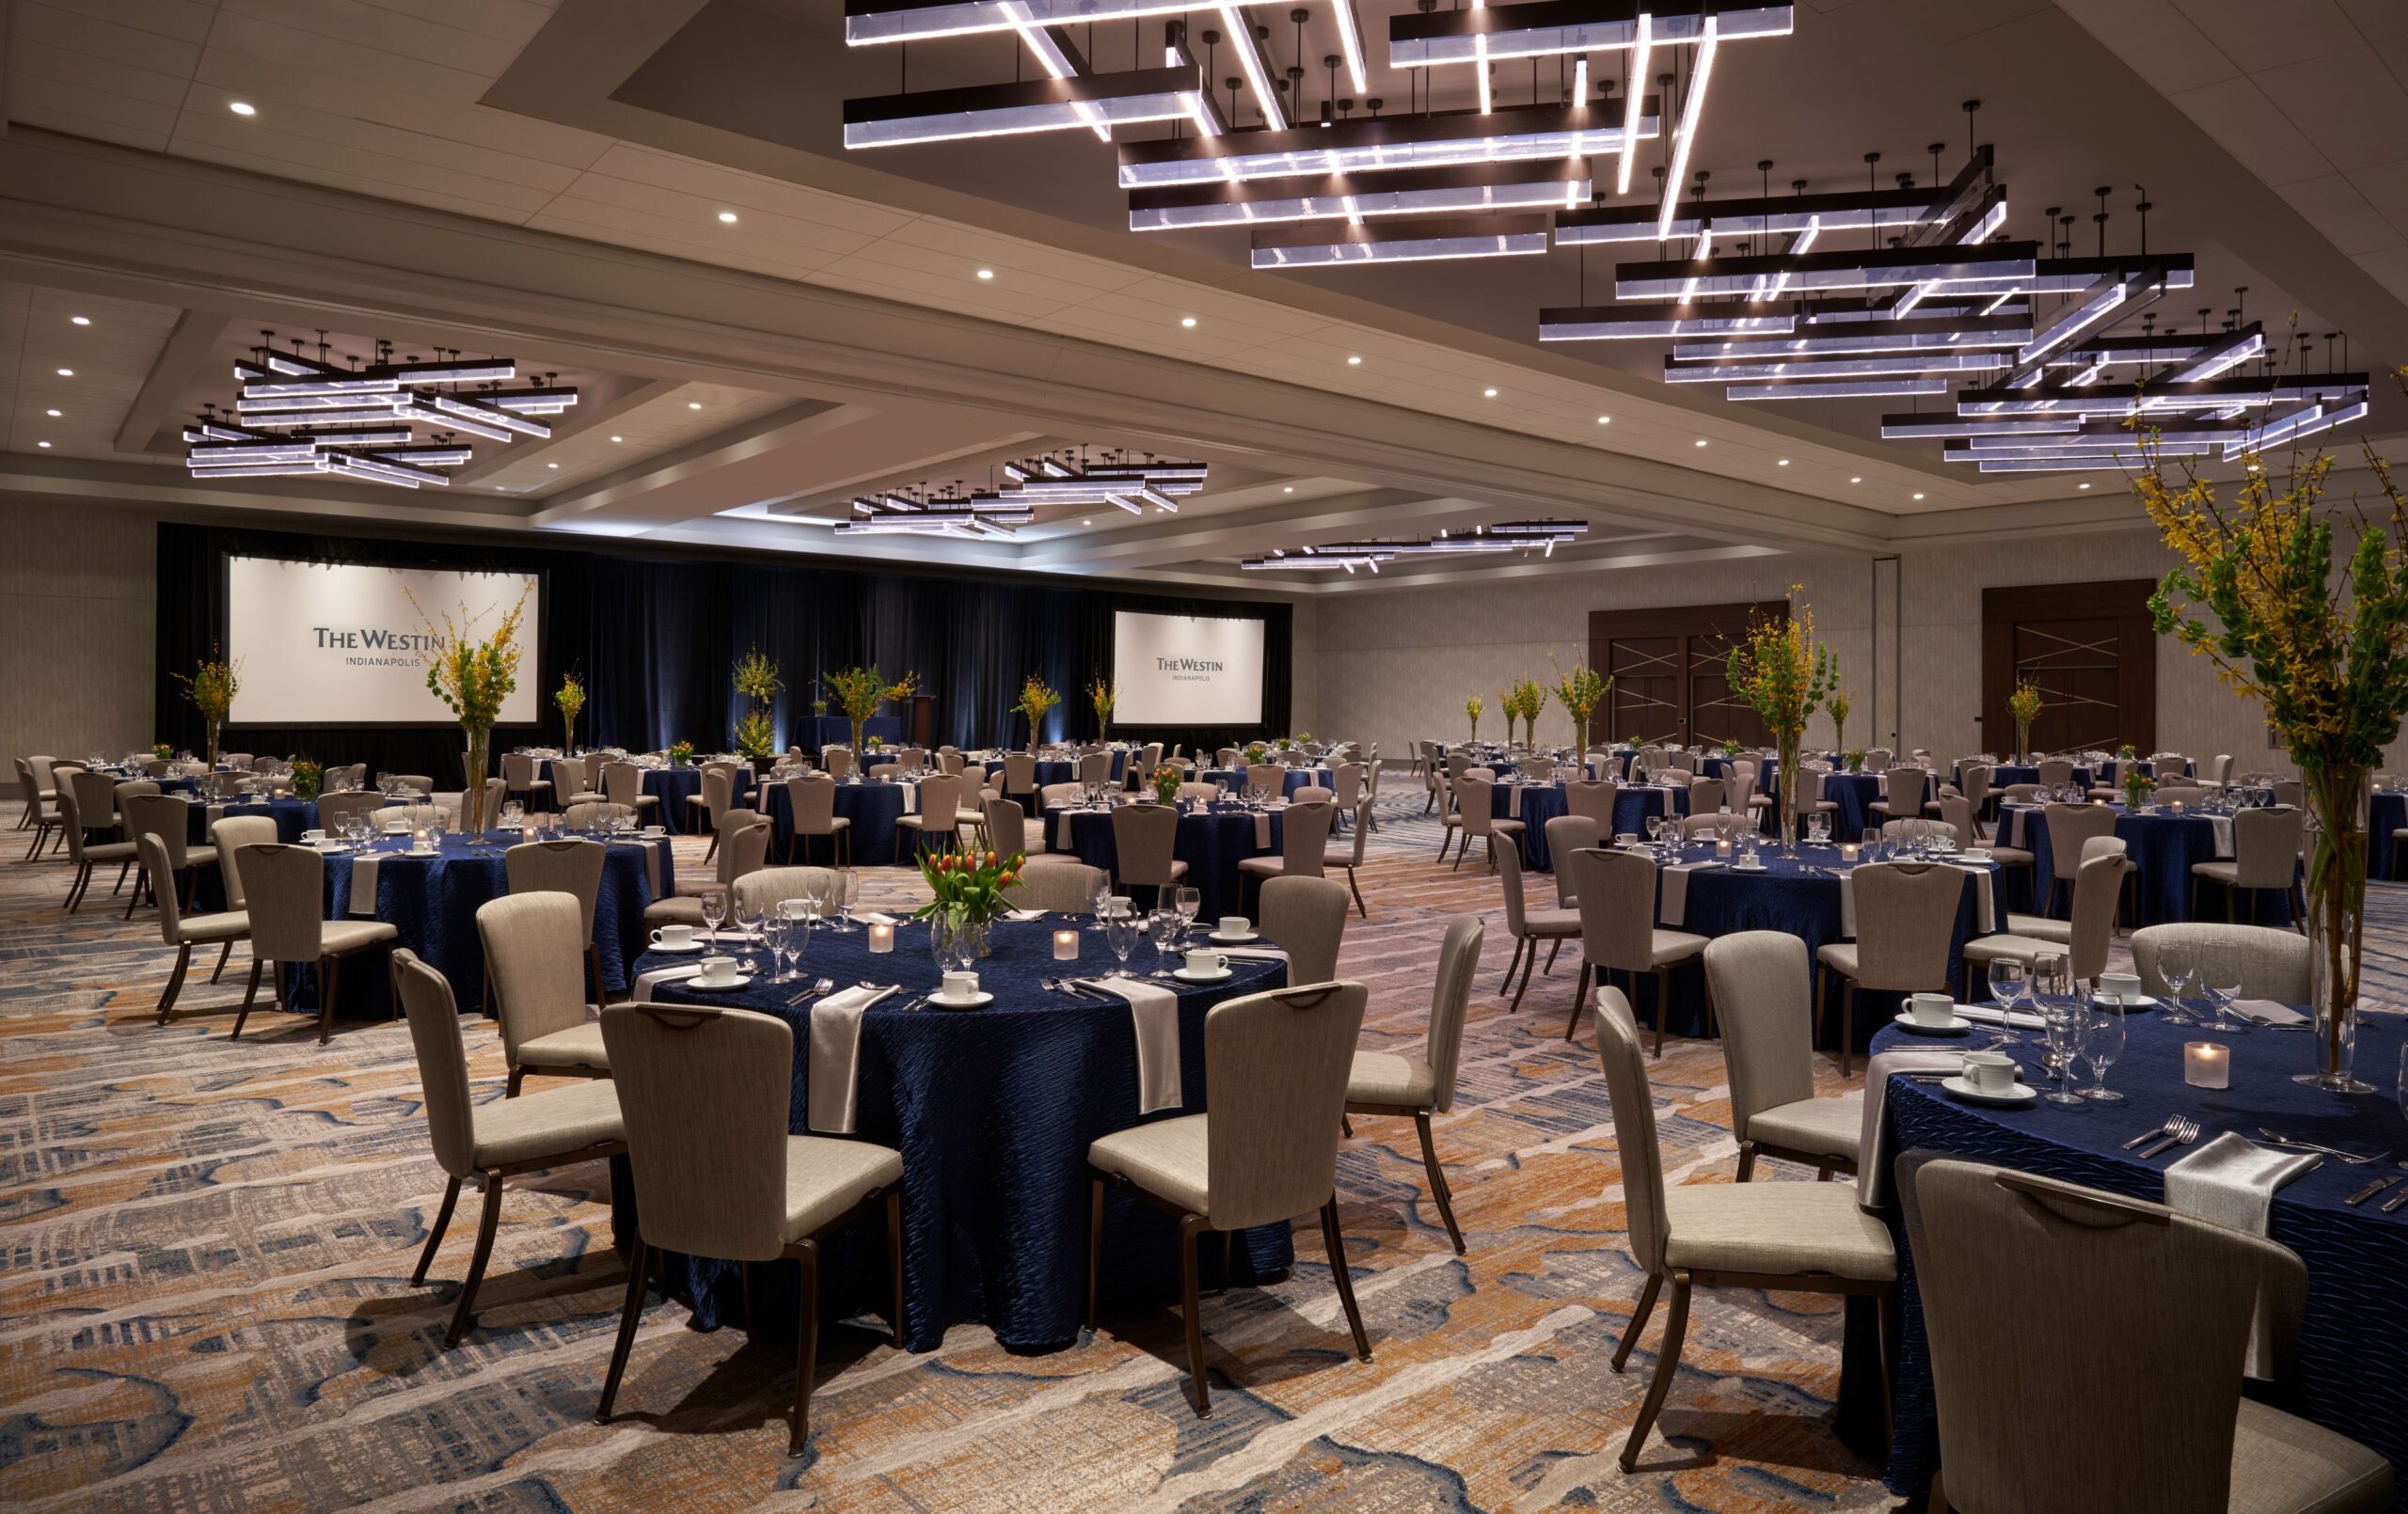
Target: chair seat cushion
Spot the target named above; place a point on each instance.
(2218, 872)
(1263, 867)
(2018, 948)
(1777, 1229)
(2040, 928)
(2282, 1464)
(835, 824)
(1671, 946)
(674, 912)
(826, 1177)
(554, 1121)
(226, 925)
(1385, 1077)
(1840, 956)
(1507, 828)
(109, 851)
(1819, 1126)
(338, 937)
(1165, 1159)
(1550, 922)
(2010, 856)
(580, 1046)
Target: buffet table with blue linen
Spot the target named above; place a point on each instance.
(2386, 857)
(1535, 804)
(433, 902)
(2354, 1334)
(993, 1110)
(2164, 846)
(1297, 778)
(872, 804)
(1798, 896)
(1212, 841)
(816, 732)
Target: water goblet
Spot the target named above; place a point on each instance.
(1121, 934)
(1187, 901)
(714, 910)
(2008, 983)
(2219, 983)
(2063, 1011)
(748, 921)
(1098, 895)
(1163, 928)
(2103, 1042)
(844, 891)
(2174, 965)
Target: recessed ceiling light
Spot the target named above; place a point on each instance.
(1918, 493)
(1604, 421)
(1701, 441)
(66, 372)
(1489, 394)
(618, 438)
(41, 444)
(1353, 362)
(1785, 462)
(2086, 487)
(81, 320)
(1856, 477)
(52, 414)
(242, 107)
(694, 404)
(1187, 320)
(1289, 489)
(551, 464)
(986, 273)
(727, 217)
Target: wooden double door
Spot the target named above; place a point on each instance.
(2092, 651)
(1670, 673)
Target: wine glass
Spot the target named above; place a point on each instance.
(844, 891)
(1187, 901)
(1163, 927)
(777, 934)
(2060, 1011)
(2220, 982)
(2008, 982)
(2103, 1042)
(1121, 934)
(2174, 965)
(1099, 896)
(714, 910)
(747, 921)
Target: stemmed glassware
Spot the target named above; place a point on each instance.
(2103, 1042)
(1121, 934)
(1187, 901)
(714, 910)
(2008, 983)
(844, 891)
(2219, 983)
(748, 922)
(1163, 927)
(2055, 994)
(1099, 898)
(2174, 965)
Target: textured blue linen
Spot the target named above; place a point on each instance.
(1211, 843)
(993, 1110)
(2384, 855)
(1543, 802)
(2164, 846)
(873, 805)
(2354, 1336)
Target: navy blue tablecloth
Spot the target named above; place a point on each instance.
(2386, 857)
(1542, 802)
(292, 818)
(993, 1110)
(1297, 778)
(1211, 843)
(873, 806)
(2354, 1336)
(1051, 771)
(2164, 846)
(670, 786)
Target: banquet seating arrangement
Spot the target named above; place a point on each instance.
(2266, 849)
(519, 781)
(1903, 912)
(169, 818)
(1303, 846)
(740, 846)
(1402, 1084)
(812, 801)
(283, 892)
(763, 890)
(1761, 983)
(2096, 889)
(1263, 1151)
(2071, 827)
(1475, 807)
(937, 824)
(593, 814)
(1618, 934)
(486, 1143)
(536, 945)
(87, 807)
(2272, 963)
(1529, 927)
(715, 796)
(1143, 836)
(623, 784)
(337, 811)
(221, 929)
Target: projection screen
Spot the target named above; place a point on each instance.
(1187, 669)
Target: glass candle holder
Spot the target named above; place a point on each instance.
(881, 938)
(1848, 851)
(2207, 1065)
(1066, 946)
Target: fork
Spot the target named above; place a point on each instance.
(822, 987)
(2185, 1132)
(2172, 1123)
(2354, 1158)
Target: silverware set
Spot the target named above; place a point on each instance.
(819, 990)
(2370, 1191)
(2354, 1159)
(1074, 988)
(2178, 1130)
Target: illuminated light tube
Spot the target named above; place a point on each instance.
(1511, 134)
(2096, 304)
(1926, 425)
(1461, 190)
(1031, 105)
(2206, 394)
(868, 22)
(428, 416)
(1731, 371)
(1126, 501)
(2079, 462)
(1845, 389)
(1881, 268)
(1240, 33)
(260, 470)
(1692, 115)
(382, 471)
(1420, 240)
(1614, 322)
(1791, 215)
(306, 419)
(2130, 451)
(1548, 27)
(528, 402)
(2217, 358)
(457, 408)
(2292, 427)
(1641, 41)
(1317, 562)
(1949, 334)
(1350, 43)
(245, 402)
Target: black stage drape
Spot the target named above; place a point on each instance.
(654, 640)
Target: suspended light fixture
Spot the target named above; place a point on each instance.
(1420, 238)
(1505, 536)
(1459, 190)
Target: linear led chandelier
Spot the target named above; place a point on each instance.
(296, 415)
(1067, 477)
(1505, 536)
(1342, 189)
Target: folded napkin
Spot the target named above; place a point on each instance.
(2010, 826)
(1872, 1143)
(1153, 1014)
(1983, 1015)
(363, 884)
(877, 917)
(1062, 842)
(910, 797)
(1023, 914)
(2231, 1181)
(1513, 801)
(647, 982)
(2266, 1012)
(1262, 832)
(1255, 953)
(836, 1057)
(1672, 907)
(2221, 825)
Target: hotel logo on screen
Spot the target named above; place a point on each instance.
(373, 646)
(1189, 664)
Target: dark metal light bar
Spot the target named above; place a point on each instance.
(1514, 134)
(1552, 26)
(1076, 104)
(869, 22)
(1456, 190)
(1863, 268)
(1915, 334)
(1613, 323)
(1419, 239)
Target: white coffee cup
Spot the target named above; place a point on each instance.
(1625, 838)
(314, 837)
(1203, 960)
(960, 986)
(2123, 987)
(656, 830)
(679, 937)
(1236, 925)
(1975, 853)
(1117, 905)
(1931, 1009)
(1990, 1072)
(718, 970)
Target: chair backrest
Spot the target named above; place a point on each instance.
(231, 835)
(811, 801)
(1975, 778)
(334, 810)
(1593, 802)
(2096, 889)
(1761, 983)
(284, 889)
(442, 1062)
(1706, 796)
(590, 813)
(1095, 767)
(1143, 836)
(2266, 848)
(2070, 826)
(704, 1091)
(95, 796)
(517, 770)
(161, 869)
(2187, 795)
(951, 762)
(2220, 772)
(623, 783)
(2055, 772)
(1617, 895)
(2290, 792)
(838, 761)
(1313, 794)
(1307, 918)
(1906, 913)
(1304, 838)
(719, 789)
(886, 771)
(418, 782)
(1902, 789)
(2274, 963)
(2013, 1268)
(1878, 759)
(1266, 780)
(1063, 888)
(1450, 1002)
(1475, 803)
(1007, 825)
(766, 888)
(1346, 784)
(164, 816)
(1566, 835)
(535, 944)
(1060, 795)
(235, 759)
(1634, 1113)
(1685, 762)
(1226, 757)
(1276, 1069)
(1713, 823)
(1020, 773)
(743, 844)
(571, 867)
(1957, 813)
(1508, 873)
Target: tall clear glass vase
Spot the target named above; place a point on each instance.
(1786, 765)
(473, 818)
(2336, 894)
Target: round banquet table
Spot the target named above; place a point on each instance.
(1535, 804)
(873, 805)
(292, 818)
(2386, 857)
(993, 1110)
(1211, 842)
(433, 902)
(1054, 771)
(2164, 846)
(1298, 778)
(670, 786)
(2354, 1334)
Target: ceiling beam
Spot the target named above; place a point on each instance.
(582, 417)
(183, 357)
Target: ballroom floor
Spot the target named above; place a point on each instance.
(205, 1301)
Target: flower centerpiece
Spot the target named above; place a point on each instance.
(1287, 744)
(1166, 781)
(1102, 697)
(211, 686)
(1527, 698)
(569, 698)
(1785, 674)
(818, 706)
(1256, 752)
(1472, 707)
(472, 678)
(757, 679)
(966, 893)
(2326, 661)
(2137, 786)
(309, 776)
(1731, 751)
(1838, 706)
(1856, 761)
(1037, 697)
(1581, 691)
(2023, 707)
(860, 692)
(681, 754)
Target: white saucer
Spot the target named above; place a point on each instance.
(2140, 1001)
(428, 851)
(737, 982)
(973, 1001)
(1236, 941)
(1188, 975)
(685, 950)
(2022, 1094)
(1748, 867)
(1953, 1026)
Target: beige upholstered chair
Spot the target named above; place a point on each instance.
(1566, 835)
(2189, 796)
(1592, 802)
(484, 1144)
(1763, 994)
(2046, 927)
(532, 945)
(2265, 859)
(1787, 1238)
(1020, 775)
(169, 818)
(939, 820)
(2069, 827)
(623, 783)
(1143, 836)
(1401, 1083)
(334, 810)
(811, 801)
(1905, 912)
(571, 867)
(1008, 830)
(1095, 767)
(2096, 888)
(2274, 963)
(2013, 1272)
(1349, 857)
(1063, 887)
(2055, 772)
(1264, 1151)
(40, 781)
(2291, 794)
(1902, 794)
(87, 808)
(284, 894)
(229, 836)
(836, 761)
(713, 798)
(1974, 783)
(2220, 772)
(770, 887)
(1195, 793)
(412, 782)
(519, 781)
(1304, 846)
(593, 814)
(1476, 810)
(886, 772)
(1527, 926)
(1346, 788)
(222, 929)
(705, 1095)
(743, 845)
(1707, 797)
(1306, 917)
(1313, 794)
(1619, 933)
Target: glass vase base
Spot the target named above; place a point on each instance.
(2333, 1082)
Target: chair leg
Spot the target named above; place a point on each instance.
(806, 1347)
(1638, 1313)
(1344, 1275)
(1551, 953)
(463, 1314)
(593, 967)
(1190, 1231)
(435, 1232)
(1360, 908)
(1663, 1005)
(330, 974)
(175, 981)
(1095, 1242)
(223, 953)
(1667, 1363)
(1521, 944)
(630, 1311)
(517, 1076)
(1439, 1191)
(1747, 1161)
(250, 997)
(1848, 1025)
(1529, 961)
(1579, 998)
(1345, 1126)
(895, 1254)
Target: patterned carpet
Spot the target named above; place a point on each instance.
(205, 1301)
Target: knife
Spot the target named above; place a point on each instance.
(2395, 1201)
(2370, 1191)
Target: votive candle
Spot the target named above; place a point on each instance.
(882, 938)
(418, 839)
(2207, 1065)
(1066, 946)
(528, 834)
(1848, 851)
(1722, 846)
